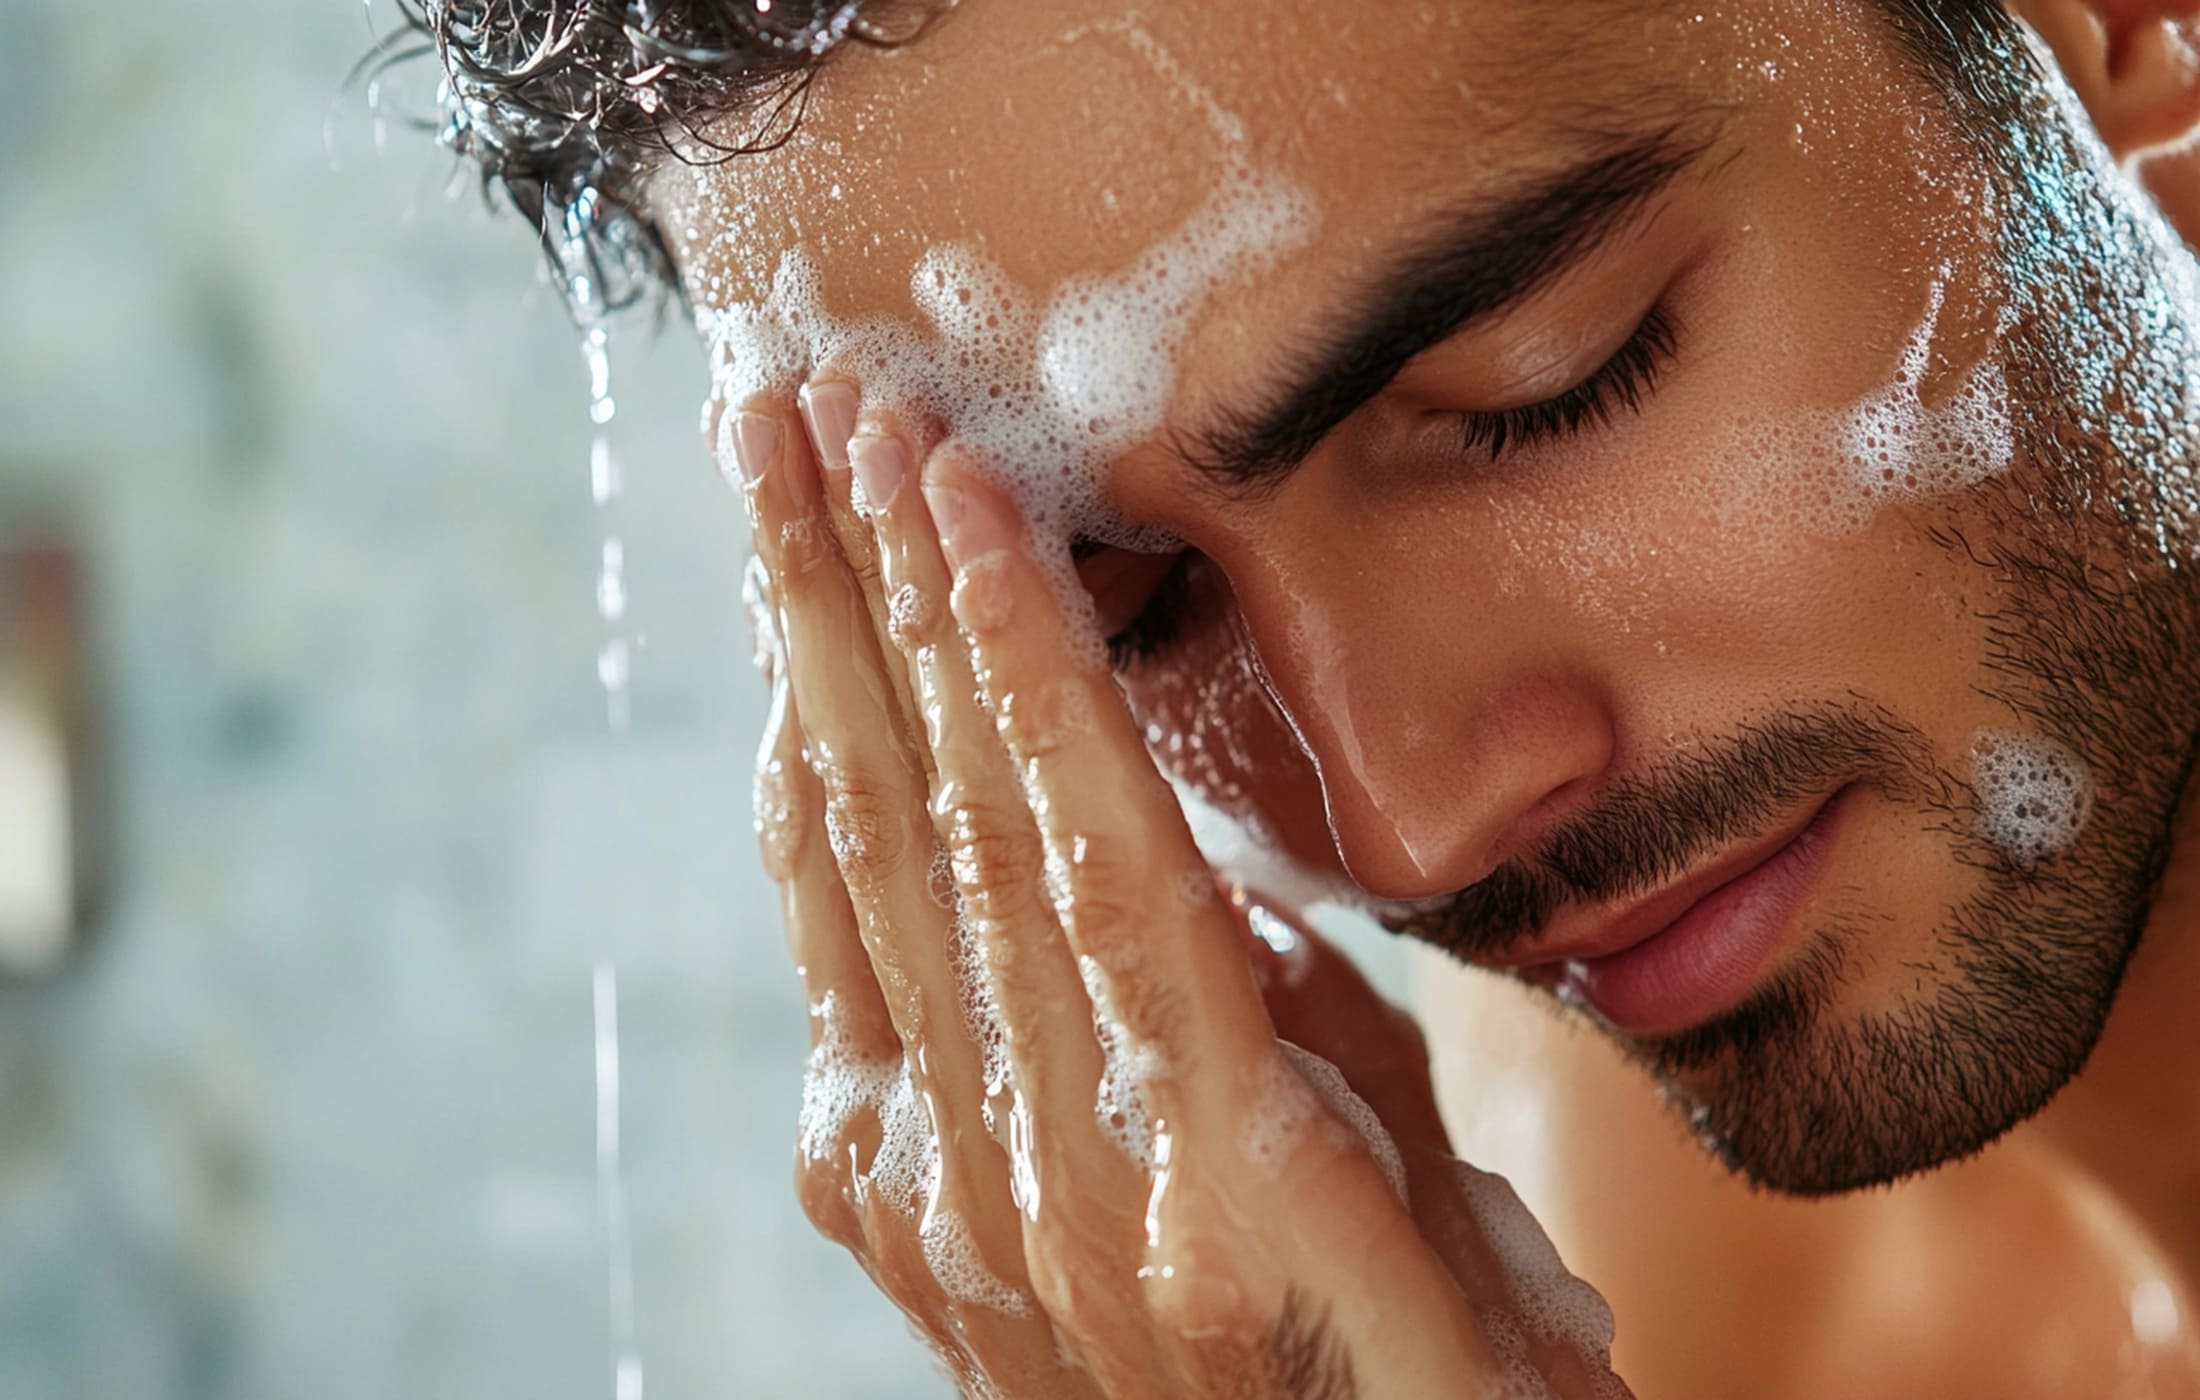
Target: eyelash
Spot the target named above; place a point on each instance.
(1158, 623)
(1622, 383)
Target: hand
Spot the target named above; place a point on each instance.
(1047, 1106)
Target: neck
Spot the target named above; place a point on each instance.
(2130, 1122)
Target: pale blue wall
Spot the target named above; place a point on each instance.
(314, 1120)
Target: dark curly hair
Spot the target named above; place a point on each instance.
(565, 105)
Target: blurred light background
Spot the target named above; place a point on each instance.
(310, 1108)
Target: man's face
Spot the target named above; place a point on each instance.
(1664, 472)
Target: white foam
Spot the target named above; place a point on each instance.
(1553, 1304)
(939, 880)
(1350, 1112)
(1127, 1063)
(1832, 471)
(839, 1084)
(951, 1252)
(1240, 846)
(1521, 1382)
(1049, 389)
(2034, 795)
(982, 1023)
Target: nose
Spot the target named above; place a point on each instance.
(1445, 743)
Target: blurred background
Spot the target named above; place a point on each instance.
(314, 837)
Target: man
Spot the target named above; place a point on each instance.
(1690, 507)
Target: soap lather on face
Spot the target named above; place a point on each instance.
(1048, 386)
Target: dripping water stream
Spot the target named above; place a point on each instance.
(613, 673)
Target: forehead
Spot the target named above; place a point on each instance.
(1065, 136)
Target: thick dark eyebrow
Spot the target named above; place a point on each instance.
(1473, 263)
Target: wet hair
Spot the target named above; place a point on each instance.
(566, 105)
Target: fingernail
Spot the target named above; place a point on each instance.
(830, 410)
(880, 464)
(756, 443)
(973, 522)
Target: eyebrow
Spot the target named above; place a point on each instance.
(1475, 262)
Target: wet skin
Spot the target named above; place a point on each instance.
(1453, 656)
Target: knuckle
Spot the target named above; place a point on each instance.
(1059, 1265)
(994, 852)
(866, 821)
(898, 1265)
(1057, 1292)
(1202, 1296)
(826, 1204)
(914, 619)
(1100, 891)
(1043, 720)
(806, 551)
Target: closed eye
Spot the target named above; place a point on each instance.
(1158, 622)
(1621, 383)
(1139, 599)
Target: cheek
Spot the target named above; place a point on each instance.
(1704, 606)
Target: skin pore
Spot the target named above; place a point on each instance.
(1423, 668)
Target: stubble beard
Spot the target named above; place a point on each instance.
(2088, 546)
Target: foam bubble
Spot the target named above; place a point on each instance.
(1127, 1063)
(981, 1013)
(1350, 1112)
(839, 1084)
(1521, 1381)
(951, 1252)
(1048, 391)
(2034, 794)
(1552, 1303)
(1832, 471)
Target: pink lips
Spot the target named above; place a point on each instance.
(1706, 960)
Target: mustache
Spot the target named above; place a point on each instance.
(1652, 828)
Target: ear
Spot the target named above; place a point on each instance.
(2136, 64)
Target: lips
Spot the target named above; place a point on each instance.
(1697, 948)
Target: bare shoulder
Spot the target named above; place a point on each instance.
(1974, 1281)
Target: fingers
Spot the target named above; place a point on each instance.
(979, 813)
(931, 1232)
(829, 409)
(789, 808)
(1130, 889)
(868, 769)
(821, 927)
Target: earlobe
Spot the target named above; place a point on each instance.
(2135, 64)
